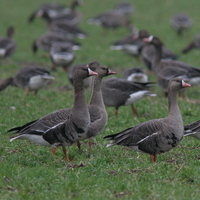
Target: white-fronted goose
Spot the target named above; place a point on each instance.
(62, 54)
(52, 12)
(195, 44)
(63, 127)
(124, 7)
(97, 111)
(181, 22)
(7, 44)
(120, 92)
(168, 69)
(45, 41)
(29, 78)
(135, 74)
(158, 135)
(193, 130)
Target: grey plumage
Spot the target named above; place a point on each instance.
(193, 129)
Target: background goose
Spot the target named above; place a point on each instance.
(193, 130)
(63, 127)
(124, 7)
(45, 41)
(120, 92)
(62, 54)
(158, 135)
(168, 69)
(135, 74)
(7, 44)
(97, 111)
(29, 78)
(195, 44)
(181, 22)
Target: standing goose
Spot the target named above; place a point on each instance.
(120, 92)
(165, 70)
(97, 111)
(63, 127)
(7, 44)
(29, 78)
(195, 44)
(193, 130)
(157, 135)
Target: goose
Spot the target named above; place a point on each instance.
(52, 12)
(29, 78)
(158, 135)
(7, 44)
(68, 30)
(62, 54)
(181, 22)
(193, 130)
(195, 44)
(63, 127)
(168, 69)
(135, 74)
(97, 111)
(124, 7)
(45, 41)
(120, 92)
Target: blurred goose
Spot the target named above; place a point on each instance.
(52, 12)
(7, 44)
(135, 74)
(68, 30)
(29, 78)
(168, 69)
(62, 54)
(124, 7)
(193, 130)
(120, 92)
(195, 44)
(181, 22)
(63, 127)
(158, 135)
(45, 41)
(97, 111)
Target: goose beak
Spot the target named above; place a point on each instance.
(149, 39)
(111, 72)
(91, 73)
(184, 84)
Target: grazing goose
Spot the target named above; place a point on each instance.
(63, 127)
(120, 92)
(68, 30)
(181, 22)
(45, 41)
(62, 54)
(193, 130)
(98, 114)
(124, 7)
(157, 135)
(7, 44)
(29, 78)
(135, 74)
(168, 69)
(52, 12)
(195, 44)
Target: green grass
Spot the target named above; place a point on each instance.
(29, 171)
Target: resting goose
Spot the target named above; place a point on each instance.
(45, 41)
(29, 78)
(63, 127)
(158, 135)
(62, 54)
(7, 44)
(135, 74)
(120, 92)
(193, 130)
(195, 44)
(168, 69)
(181, 22)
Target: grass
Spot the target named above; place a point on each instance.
(29, 171)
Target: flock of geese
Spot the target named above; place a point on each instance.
(85, 121)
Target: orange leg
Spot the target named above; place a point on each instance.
(116, 111)
(65, 153)
(79, 145)
(153, 158)
(53, 150)
(134, 110)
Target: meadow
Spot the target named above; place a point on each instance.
(29, 171)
